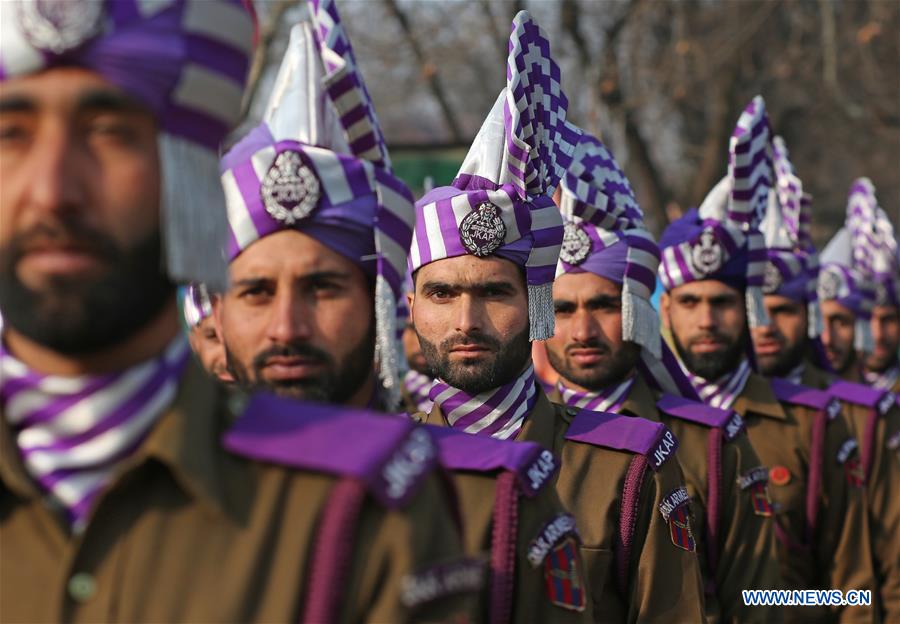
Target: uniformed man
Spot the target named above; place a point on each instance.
(196, 310)
(712, 268)
(417, 380)
(608, 361)
(118, 500)
(859, 277)
(320, 230)
(483, 258)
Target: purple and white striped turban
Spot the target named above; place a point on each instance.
(197, 305)
(846, 274)
(721, 240)
(500, 202)
(186, 61)
(605, 234)
(793, 262)
(318, 164)
(885, 261)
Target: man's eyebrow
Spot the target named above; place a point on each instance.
(109, 101)
(325, 275)
(17, 104)
(604, 300)
(250, 281)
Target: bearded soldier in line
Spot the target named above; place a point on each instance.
(118, 500)
(713, 262)
(609, 356)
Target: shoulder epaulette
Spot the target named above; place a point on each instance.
(638, 435)
(797, 394)
(729, 421)
(858, 394)
(390, 455)
(533, 465)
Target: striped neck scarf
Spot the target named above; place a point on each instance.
(884, 380)
(499, 413)
(73, 432)
(607, 400)
(418, 386)
(722, 392)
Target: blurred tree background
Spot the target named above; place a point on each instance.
(662, 82)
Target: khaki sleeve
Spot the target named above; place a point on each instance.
(747, 558)
(843, 541)
(884, 513)
(416, 543)
(664, 579)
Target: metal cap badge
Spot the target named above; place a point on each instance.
(576, 244)
(290, 190)
(707, 253)
(829, 286)
(772, 279)
(482, 231)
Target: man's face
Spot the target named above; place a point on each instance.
(709, 324)
(80, 253)
(471, 315)
(838, 335)
(297, 320)
(780, 346)
(209, 349)
(587, 349)
(886, 335)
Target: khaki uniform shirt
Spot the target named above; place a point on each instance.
(746, 538)
(663, 581)
(838, 555)
(882, 488)
(188, 532)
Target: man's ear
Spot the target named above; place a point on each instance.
(664, 303)
(410, 301)
(217, 317)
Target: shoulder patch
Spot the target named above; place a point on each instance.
(553, 531)
(391, 459)
(465, 576)
(846, 450)
(533, 465)
(858, 394)
(563, 576)
(729, 421)
(676, 511)
(755, 480)
(624, 433)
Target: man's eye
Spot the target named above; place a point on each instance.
(13, 132)
(254, 294)
(326, 288)
(440, 294)
(113, 130)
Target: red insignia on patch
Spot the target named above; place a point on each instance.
(759, 496)
(680, 528)
(855, 475)
(565, 585)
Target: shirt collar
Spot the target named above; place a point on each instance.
(758, 398)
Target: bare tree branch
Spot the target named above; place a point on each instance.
(429, 69)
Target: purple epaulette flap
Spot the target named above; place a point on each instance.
(797, 394)
(390, 455)
(858, 394)
(624, 433)
(533, 465)
(729, 421)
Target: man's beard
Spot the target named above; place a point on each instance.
(599, 377)
(790, 357)
(480, 376)
(711, 366)
(83, 315)
(336, 384)
(880, 364)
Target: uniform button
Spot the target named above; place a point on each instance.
(82, 587)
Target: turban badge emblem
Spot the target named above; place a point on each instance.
(772, 279)
(59, 25)
(290, 190)
(829, 285)
(707, 253)
(576, 244)
(482, 231)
